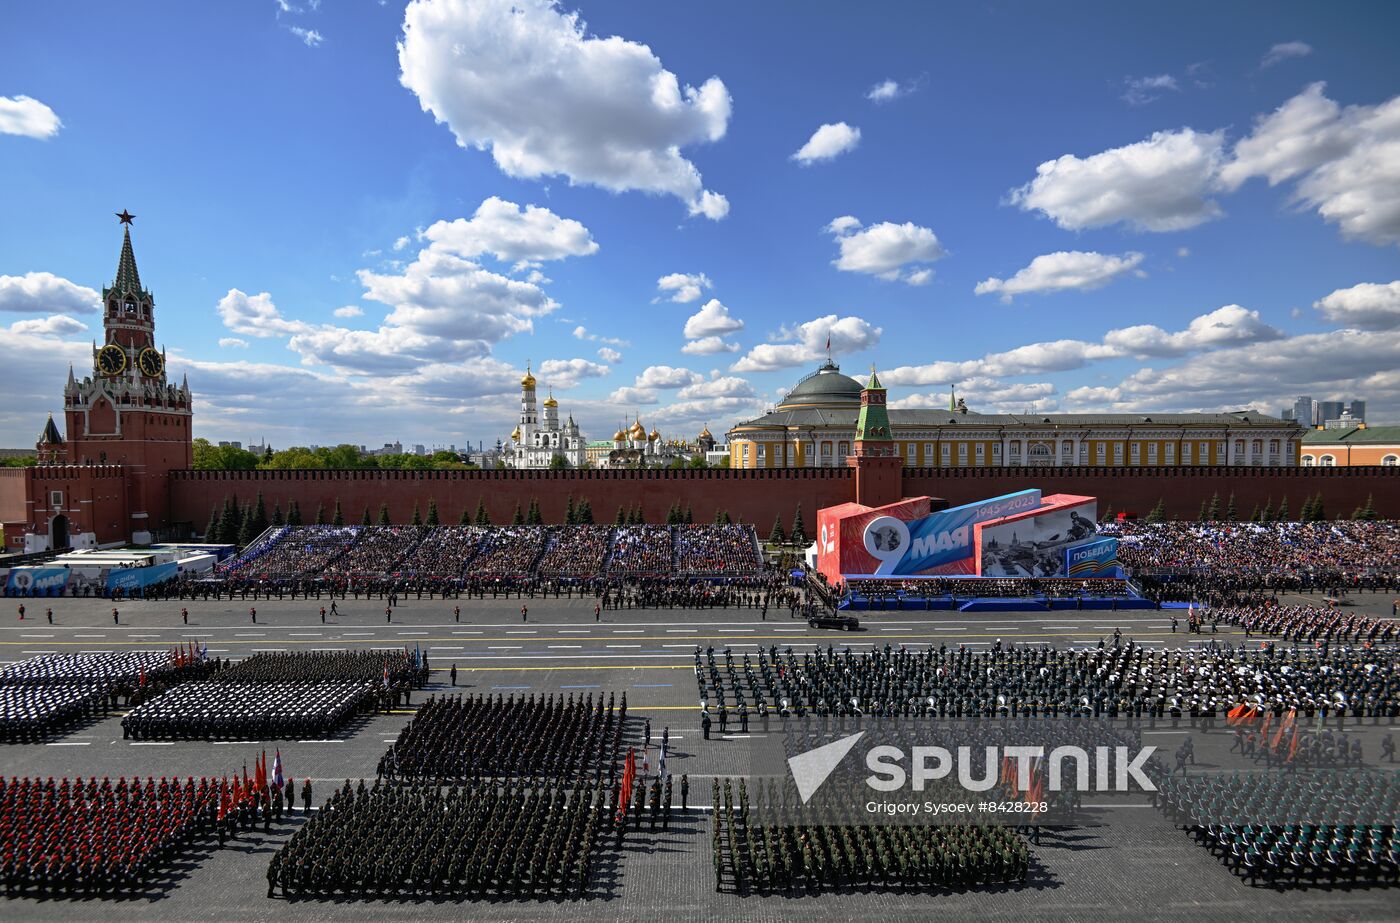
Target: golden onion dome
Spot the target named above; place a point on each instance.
(705, 433)
(515, 434)
(550, 401)
(529, 380)
(654, 434)
(619, 436)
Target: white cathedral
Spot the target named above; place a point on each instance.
(534, 443)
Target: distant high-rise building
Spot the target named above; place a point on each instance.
(1304, 411)
(1286, 413)
(1358, 411)
(1329, 410)
(420, 449)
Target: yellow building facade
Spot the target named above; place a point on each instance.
(814, 427)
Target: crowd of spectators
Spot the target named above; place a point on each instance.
(1326, 550)
(297, 551)
(509, 551)
(642, 550)
(575, 551)
(717, 549)
(443, 553)
(378, 551)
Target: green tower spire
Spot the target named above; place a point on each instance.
(128, 279)
(874, 422)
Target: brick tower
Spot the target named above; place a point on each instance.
(127, 413)
(879, 479)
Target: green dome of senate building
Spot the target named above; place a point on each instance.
(826, 387)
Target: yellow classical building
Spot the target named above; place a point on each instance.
(815, 423)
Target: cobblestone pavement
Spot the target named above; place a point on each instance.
(1148, 870)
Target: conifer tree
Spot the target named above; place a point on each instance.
(417, 519)
(1158, 512)
(584, 514)
(1213, 511)
(338, 517)
(1267, 514)
(621, 518)
(569, 514)
(465, 519)
(365, 519)
(776, 535)
(277, 518)
(1282, 514)
(321, 513)
(689, 519)
(483, 518)
(211, 531)
(293, 513)
(519, 518)
(245, 531)
(799, 528)
(1230, 513)
(384, 514)
(432, 517)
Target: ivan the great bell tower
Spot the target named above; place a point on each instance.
(126, 413)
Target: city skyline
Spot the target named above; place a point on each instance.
(366, 241)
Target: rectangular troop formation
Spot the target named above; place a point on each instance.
(95, 838)
(750, 856)
(295, 695)
(524, 812)
(41, 696)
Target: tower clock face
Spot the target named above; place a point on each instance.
(150, 363)
(111, 360)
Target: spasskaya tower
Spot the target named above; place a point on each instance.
(127, 413)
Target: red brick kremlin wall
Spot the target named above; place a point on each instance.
(757, 496)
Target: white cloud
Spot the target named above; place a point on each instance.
(582, 333)
(709, 346)
(1227, 326)
(633, 396)
(58, 325)
(727, 386)
(1285, 50)
(44, 292)
(711, 320)
(507, 232)
(567, 373)
(232, 343)
(608, 354)
(885, 249)
(1138, 91)
(256, 315)
(1224, 326)
(1368, 306)
(1160, 184)
(1347, 161)
(988, 395)
(27, 117)
(401, 242)
(1263, 375)
(524, 79)
(884, 91)
(309, 37)
(827, 142)
(684, 287)
(847, 334)
(1061, 271)
(667, 376)
(349, 310)
(1302, 134)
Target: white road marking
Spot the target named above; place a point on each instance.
(82, 743)
(624, 645)
(560, 647)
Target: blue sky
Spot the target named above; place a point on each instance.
(1214, 223)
